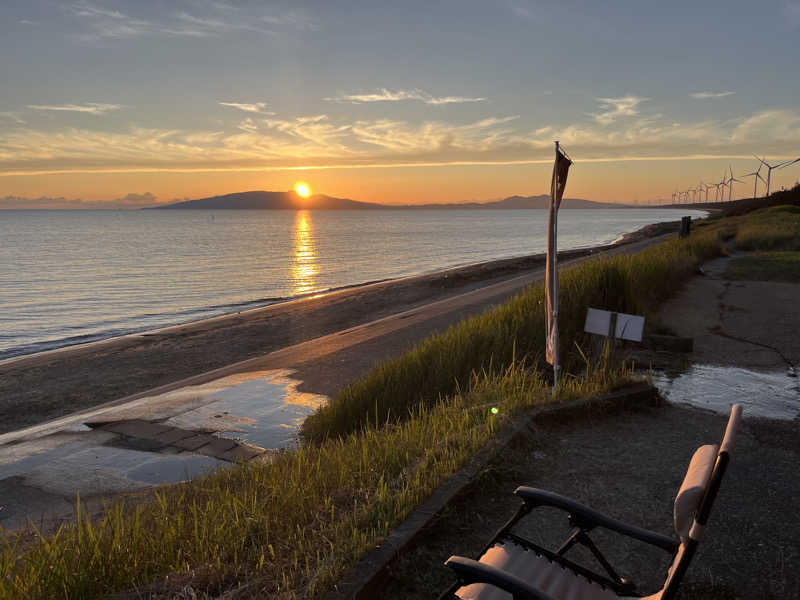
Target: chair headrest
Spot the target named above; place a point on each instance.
(693, 488)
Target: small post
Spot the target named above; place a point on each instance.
(686, 226)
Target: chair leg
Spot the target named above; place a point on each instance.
(580, 536)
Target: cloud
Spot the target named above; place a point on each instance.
(615, 108)
(704, 95)
(261, 143)
(256, 107)
(93, 108)
(218, 19)
(129, 201)
(12, 116)
(385, 95)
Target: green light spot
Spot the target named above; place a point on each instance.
(495, 411)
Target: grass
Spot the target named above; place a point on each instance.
(490, 342)
(772, 228)
(291, 527)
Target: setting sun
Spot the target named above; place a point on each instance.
(302, 190)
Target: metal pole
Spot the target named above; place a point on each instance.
(769, 178)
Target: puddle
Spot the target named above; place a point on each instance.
(262, 408)
(768, 395)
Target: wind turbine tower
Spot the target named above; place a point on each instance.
(731, 181)
(775, 166)
(756, 176)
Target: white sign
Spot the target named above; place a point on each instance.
(628, 327)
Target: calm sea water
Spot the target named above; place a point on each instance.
(69, 277)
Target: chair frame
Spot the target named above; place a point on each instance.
(585, 519)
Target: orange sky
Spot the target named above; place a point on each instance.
(616, 181)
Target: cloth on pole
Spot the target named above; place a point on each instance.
(557, 185)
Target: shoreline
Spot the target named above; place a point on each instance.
(457, 270)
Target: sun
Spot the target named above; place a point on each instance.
(302, 189)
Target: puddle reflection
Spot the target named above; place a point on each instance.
(768, 395)
(261, 408)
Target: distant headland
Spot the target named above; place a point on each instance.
(260, 200)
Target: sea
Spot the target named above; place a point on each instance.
(71, 277)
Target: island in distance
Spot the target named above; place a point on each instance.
(292, 201)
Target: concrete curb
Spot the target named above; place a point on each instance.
(364, 581)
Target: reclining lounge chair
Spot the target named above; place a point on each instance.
(514, 567)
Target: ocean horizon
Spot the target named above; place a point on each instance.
(72, 277)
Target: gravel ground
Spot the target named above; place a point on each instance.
(629, 465)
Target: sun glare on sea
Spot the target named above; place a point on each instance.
(302, 189)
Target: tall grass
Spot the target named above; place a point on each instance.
(289, 528)
(773, 228)
(515, 330)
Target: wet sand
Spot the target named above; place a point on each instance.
(49, 385)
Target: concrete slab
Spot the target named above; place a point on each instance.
(194, 442)
(241, 453)
(217, 447)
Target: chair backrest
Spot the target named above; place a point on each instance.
(696, 497)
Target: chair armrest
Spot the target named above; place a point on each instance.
(471, 571)
(536, 497)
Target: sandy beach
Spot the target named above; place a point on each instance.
(48, 385)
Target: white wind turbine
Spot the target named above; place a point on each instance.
(756, 175)
(775, 166)
(730, 184)
(708, 186)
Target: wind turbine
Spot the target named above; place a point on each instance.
(708, 186)
(731, 181)
(775, 166)
(756, 176)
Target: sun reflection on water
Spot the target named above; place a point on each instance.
(304, 267)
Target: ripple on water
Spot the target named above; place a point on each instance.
(769, 395)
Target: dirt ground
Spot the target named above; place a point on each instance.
(740, 323)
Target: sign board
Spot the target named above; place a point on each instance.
(624, 327)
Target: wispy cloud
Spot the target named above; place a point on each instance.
(386, 95)
(93, 108)
(11, 115)
(614, 108)
(217, 19)
(705, 95)
(320, 141)
(255, 107)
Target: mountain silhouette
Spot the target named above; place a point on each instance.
(260, 200)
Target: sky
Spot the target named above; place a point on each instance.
(109, 103)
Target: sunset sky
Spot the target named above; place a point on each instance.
(111, 103)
